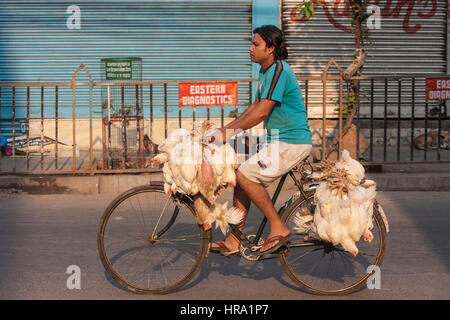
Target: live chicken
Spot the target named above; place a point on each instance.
(202, 171)
(344, 205)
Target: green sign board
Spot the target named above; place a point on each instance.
(118, 69)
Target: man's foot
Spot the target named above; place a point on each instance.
(220, 248)
(277, 238)
(228, 246)
(274, 244)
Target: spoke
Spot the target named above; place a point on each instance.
(162, 268)
(151, 271)
(137, 217)
(133, 263)
(305, 253)
(187, 240)
(367, 254)
(142, 215)
(149, 263)
(320, 260)
(146, 264)
(346, 259)
(331, 263)
(143, 239)
(323, 271)
(185, 253)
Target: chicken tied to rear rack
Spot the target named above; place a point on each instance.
(201, 170)
(344, 205)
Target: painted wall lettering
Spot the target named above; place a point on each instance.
(409, 9)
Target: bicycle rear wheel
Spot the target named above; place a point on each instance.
(145, 259)
(323, 269)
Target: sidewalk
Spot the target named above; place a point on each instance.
(411, 177)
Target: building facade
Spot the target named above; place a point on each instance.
(46, 41)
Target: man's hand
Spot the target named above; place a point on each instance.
(219, 136)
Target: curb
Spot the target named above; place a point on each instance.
(115, 184)
(427, 181)
(100, 184)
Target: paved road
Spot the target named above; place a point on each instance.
(41, 235)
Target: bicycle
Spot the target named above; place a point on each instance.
(167, 247)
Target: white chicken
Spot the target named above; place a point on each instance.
(171, 141)
(344, 207)
(225, 216)
(200, 170)
(229, 174)
(355, 171)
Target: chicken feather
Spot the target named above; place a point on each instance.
(200, 170)
(344, 210)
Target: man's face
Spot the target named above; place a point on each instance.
(258, 50)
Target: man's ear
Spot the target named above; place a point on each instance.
(271, 49)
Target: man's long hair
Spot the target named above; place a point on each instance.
(274, 38)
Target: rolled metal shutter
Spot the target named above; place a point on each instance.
(411, 42)
(177, 40)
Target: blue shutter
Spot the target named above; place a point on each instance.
(177, 40)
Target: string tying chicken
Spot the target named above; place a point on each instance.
(344, 205)
(201, 170)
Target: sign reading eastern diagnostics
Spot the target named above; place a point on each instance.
(207, 94)
(438, 89)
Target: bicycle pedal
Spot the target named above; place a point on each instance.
(228, 255)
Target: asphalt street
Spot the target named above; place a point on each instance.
(41, 236)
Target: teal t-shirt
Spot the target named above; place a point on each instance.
(288, 116)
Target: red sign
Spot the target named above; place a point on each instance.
(207, 94)
(438, 89)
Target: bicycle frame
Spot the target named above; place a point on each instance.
(234, 228)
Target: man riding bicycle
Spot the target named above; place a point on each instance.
(279, 102)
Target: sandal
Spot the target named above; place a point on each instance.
(222, 249)
(281, 242)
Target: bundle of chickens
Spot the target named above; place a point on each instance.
(344, 205)
(201, 170)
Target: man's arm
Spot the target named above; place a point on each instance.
(244, 114)
(254, 114)
(258, 112)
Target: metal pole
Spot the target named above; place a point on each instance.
(0, 124)
(341, 92)
(14, 128)
(74, 142)
(28, 128)
(56, 128)
(385, 117)
(324, 114)
(124, 132)
(399, 117)
(165, 110)
(441, 105)
(151, 112)
(413, 99)
(426, 131)
(42, 129)
(91, 151)
(109, 155)
(371, 118)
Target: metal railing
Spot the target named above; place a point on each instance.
(392, 112)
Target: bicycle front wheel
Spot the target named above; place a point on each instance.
(321, 268)
(146, 251)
